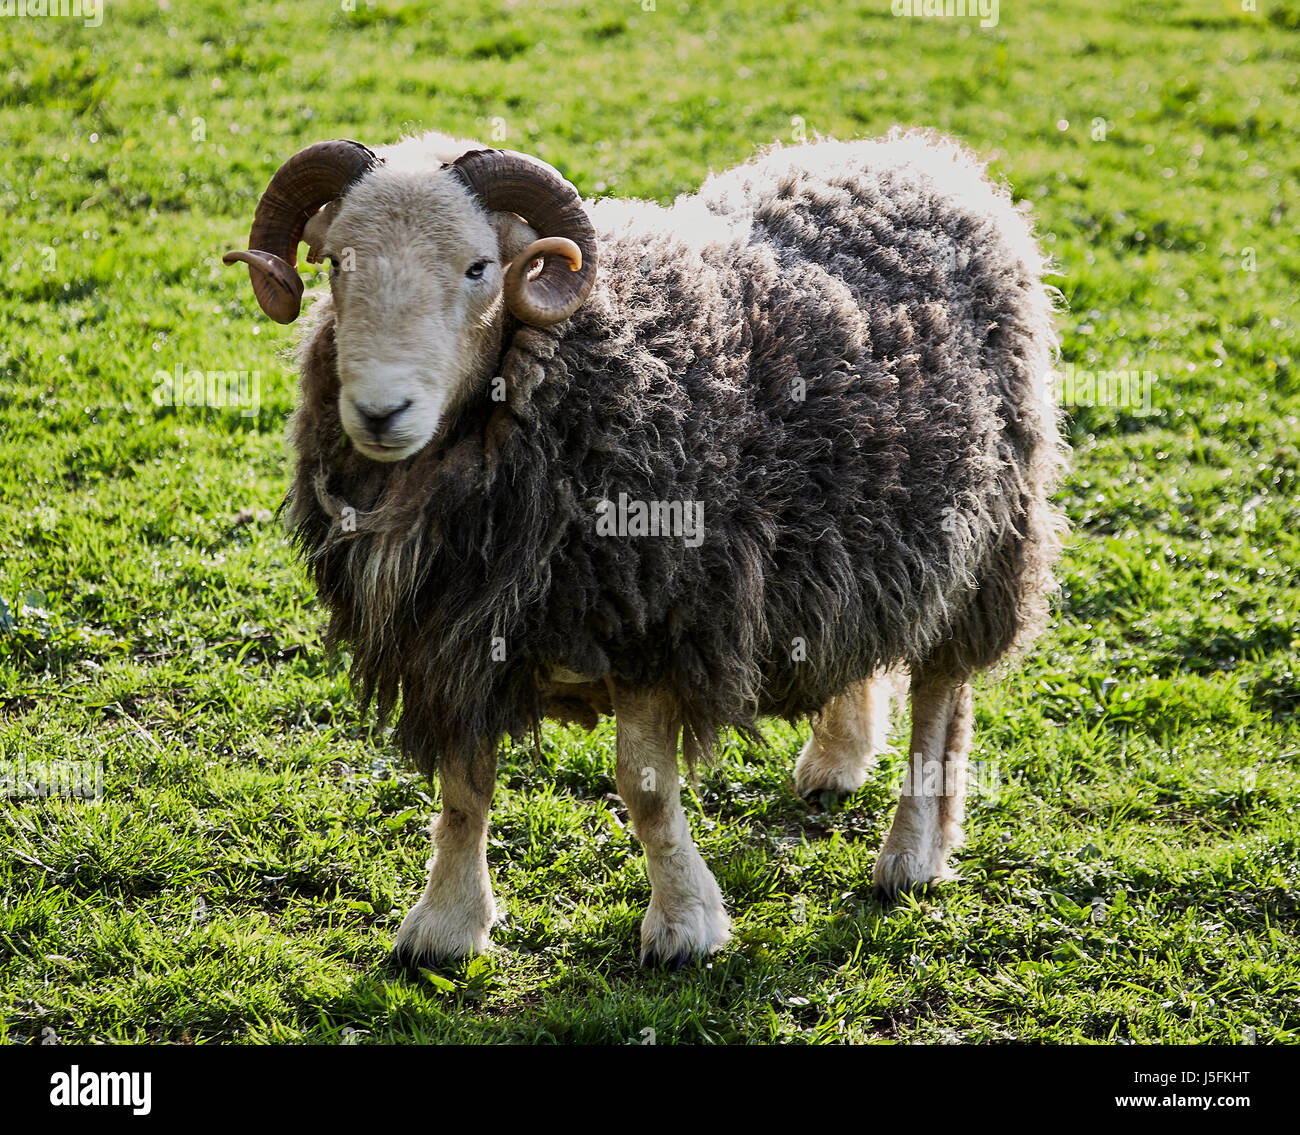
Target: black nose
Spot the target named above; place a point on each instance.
(377, 420)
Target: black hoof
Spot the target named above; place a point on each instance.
(407, 963)
(827, 799)
(889, 896)
(399, 962)
(673, 964)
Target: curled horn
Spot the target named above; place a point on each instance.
(311, 178)
(516, 183)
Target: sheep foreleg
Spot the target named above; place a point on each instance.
(457, 908)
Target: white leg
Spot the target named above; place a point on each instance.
(927, 826)
(457, 908)
(685, 918)
(849, 735)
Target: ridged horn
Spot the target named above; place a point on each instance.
(311, 178)
(507, 181)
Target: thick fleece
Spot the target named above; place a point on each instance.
(842, 350)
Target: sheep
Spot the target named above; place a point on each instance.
(836, 356)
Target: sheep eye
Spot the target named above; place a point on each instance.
(476, 270)
(334, 263)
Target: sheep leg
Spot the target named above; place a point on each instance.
(457, 908)
(846, 740)
(685, 918)
(928, 823)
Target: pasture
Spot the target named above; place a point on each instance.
(1132, 868)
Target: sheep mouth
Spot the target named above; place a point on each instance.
(386, 451)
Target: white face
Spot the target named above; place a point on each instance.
(415, 274)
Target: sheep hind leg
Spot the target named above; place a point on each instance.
(928, 823)
(685, 918)
(846, 741)
(457, 909)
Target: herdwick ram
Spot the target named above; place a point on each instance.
(837, 356)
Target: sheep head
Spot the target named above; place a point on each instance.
(424, 263)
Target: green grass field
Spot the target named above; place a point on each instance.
(1132, 872)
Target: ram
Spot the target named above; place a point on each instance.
(826, 377)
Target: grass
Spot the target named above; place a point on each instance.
(1132, 874)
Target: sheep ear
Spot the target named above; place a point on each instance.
(314, 230)
(514, 234)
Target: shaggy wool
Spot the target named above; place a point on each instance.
(842, 350)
